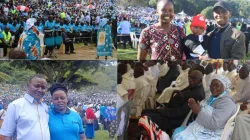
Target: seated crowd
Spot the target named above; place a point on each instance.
(205, 94)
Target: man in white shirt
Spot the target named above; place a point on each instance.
(125, 32)
(225, 68)
(207, 78)
(232, 72)
(87, 18)
(6, 10)
(243, 88)
(28, 116)
(180, 83)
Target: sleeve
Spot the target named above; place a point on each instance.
(222, 112)
(238, 49)
(46, 25)
(81, 130)
(175, 112)
(9, 124)
(144, 43)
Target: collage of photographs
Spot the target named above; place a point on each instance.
(124, 69)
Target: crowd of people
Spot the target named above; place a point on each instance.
(86, 110)
(212, 91)
(174, 36)
(40, 27)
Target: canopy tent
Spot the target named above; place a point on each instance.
(182, 13)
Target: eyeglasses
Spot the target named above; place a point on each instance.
(193, 78)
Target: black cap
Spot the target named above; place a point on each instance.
(223, 5)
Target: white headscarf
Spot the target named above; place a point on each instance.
(29, 23)
(224, 80)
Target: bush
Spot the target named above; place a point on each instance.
(208, 12)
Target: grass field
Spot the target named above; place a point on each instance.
(131, 54)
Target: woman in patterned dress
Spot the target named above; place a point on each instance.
(29, 40)
(162, 41)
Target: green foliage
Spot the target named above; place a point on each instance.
(4, 77)
(100, 75)
(208, 12)
(152, 3)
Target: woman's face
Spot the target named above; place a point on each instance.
(165, 12)
(60, 100)
(216, 87)
(197, 30)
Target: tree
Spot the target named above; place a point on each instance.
(152, 3)
(79, 75)
(208, 12)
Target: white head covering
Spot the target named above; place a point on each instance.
(224, 80)
(29, 23)
(104, 21)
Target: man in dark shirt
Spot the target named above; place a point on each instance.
(225, 41)
(68, 43)
(173, 115)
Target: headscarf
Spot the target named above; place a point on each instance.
(224, 80)
(155, 133)
(29, 23)
(90, 113)
(103, 22)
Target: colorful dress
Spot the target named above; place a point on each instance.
(111, 117)
(30, 43)
(104, 42)
(162, 46)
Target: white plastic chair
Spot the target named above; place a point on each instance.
(229, 127)
(134, 39)
(184, 123)
(1, 52)
(42, 46)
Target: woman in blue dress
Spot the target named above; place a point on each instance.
(111, 118)
(212, 114)
(104, 39)
(29, 40)
(89, 121)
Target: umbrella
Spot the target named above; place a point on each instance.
(91, 6)
(78, 5)
(22, 8)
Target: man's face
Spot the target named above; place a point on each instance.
(221, 16)
(37, 87)
(194, 79)
(243, 73)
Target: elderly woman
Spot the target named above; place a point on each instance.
(29, 40)
(64, 124)
(212, 114)
(163, 39)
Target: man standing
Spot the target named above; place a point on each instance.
(5, 37)
(28, 116)
(225, 41)
(125, 32)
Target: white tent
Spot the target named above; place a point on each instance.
(182, 13)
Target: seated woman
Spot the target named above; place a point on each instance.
(212, 114)
(64, 124)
